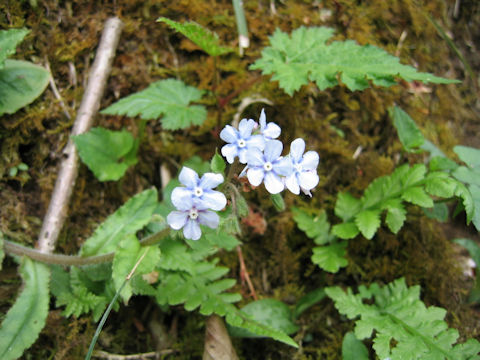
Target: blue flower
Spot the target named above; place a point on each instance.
(240, 141)
(268, 167)
(190, 216)
(199, 190)
(304, 176)
(269, 131)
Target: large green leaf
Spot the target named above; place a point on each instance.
(27, 316)
(170, 98)
(204, 38)
(107, 153)
(271, 312)
(330, 257)
(9, 39)
(128, 219)
(21, 82)
(305, 56)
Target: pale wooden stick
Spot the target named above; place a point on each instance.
(58, 207)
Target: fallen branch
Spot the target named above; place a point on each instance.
(58, 207)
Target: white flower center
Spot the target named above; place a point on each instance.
(198, 191)
(241, 143)
(193, 214)
(268, 166)
(298, 167)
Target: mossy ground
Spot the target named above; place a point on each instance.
(65, 34)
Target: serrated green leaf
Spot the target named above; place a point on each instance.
(415, 175)
(346, 230)
(353, 349)
(315, 226)
(330, 257)
(468, 155)
(408, 132)
(466, 175)
(204, 38)
(396, 215)
(127, 255)
(403, 327)
(305, 56)
(347, 206)
(26, 318)
(271, 312)
(217, 164)
(104, 152)
(9, 39)
(471, 202)
(128, 219)
(416, 195)
(21, 82)
(221, 240)
(442, 186)
(169, 98)
(368, 221)
(441, 163)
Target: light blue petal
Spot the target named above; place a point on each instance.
(297, 148)
(229, 151)
(229, 134)
(272, 131)
(177, 219)
(310, 160)
(242, 155)
(292, 184)
(188, 177)
(244, 172)
(180, 198)
(255, 158)
(208, 218)
(245, 128)
(273, 183)
(255, 176)
(256, 141)
(273, 150)
(214, 200)
(262, 120)
(308, 179)
(283, 166)
(210, 180)
(192, 230)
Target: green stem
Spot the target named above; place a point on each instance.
(14, 248)
(243, 40)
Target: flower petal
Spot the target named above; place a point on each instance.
(310, 160)
(292, 184)
(273, 149)
(182, 198)
(214, 200)
(255, 176)
(177, 219)
(229, 151)
(210, 180)
(256, 141)
(272, 131)
(297, 148)
(188, 177)
(255, 158)
(283, 166)
(308, 179)
(229, 134)
(192, 230)
(208, 218)
(262, 120)
(273, 183)
(245, 128)
(242, 155)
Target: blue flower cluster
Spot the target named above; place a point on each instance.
(256, 147)
(194, 202)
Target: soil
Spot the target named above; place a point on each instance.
(64, 35)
